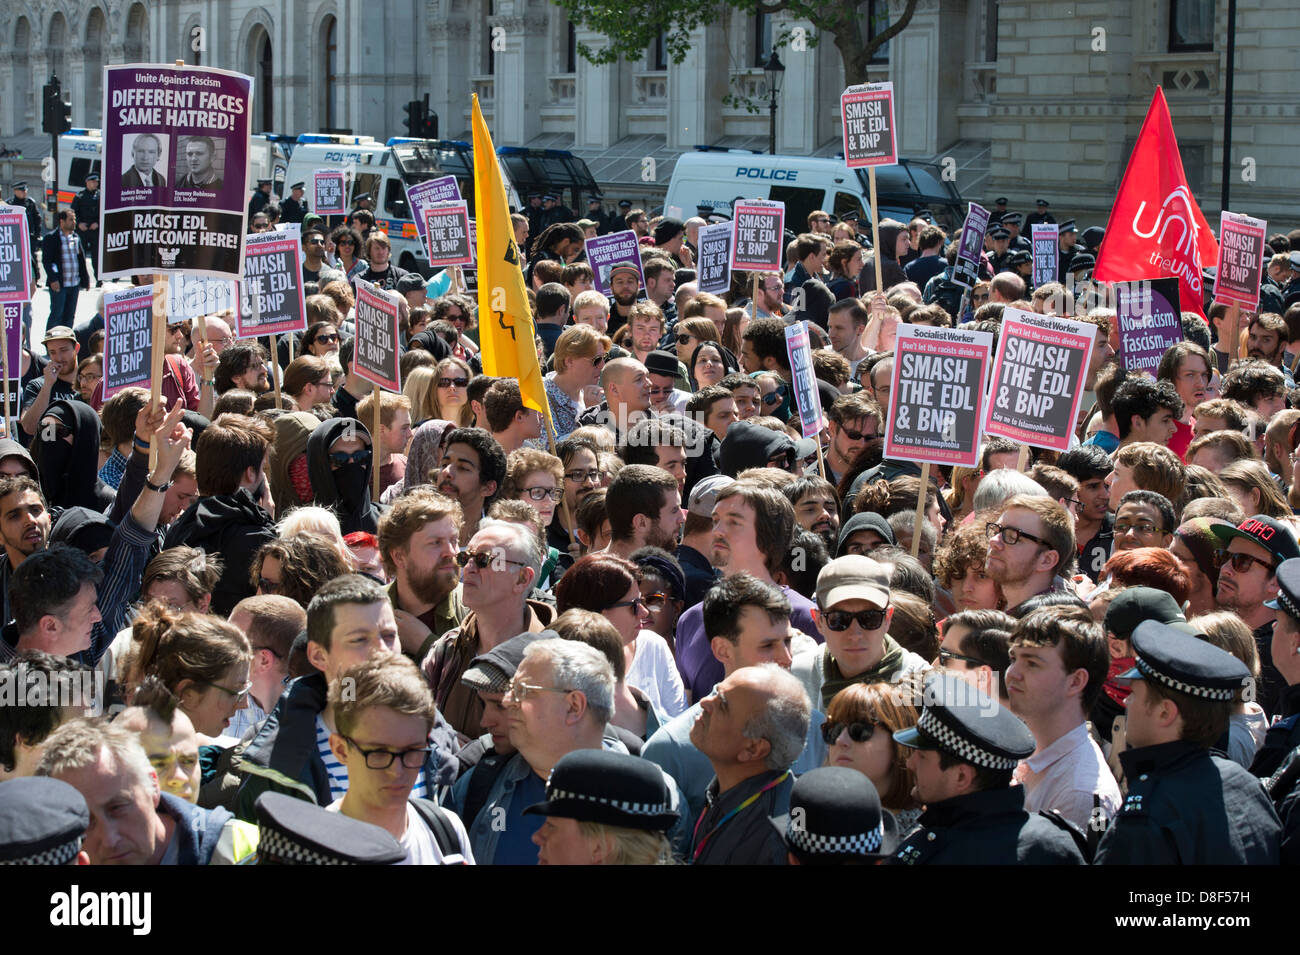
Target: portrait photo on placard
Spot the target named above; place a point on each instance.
(144, 159)
(200, 163)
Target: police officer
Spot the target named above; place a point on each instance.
(553, 210)
(1040, 216)
(1068, 238)
(292, 831)
(596, 213)
(999, 209)
(43, 821)
(1000, 257)
(1284, 735)
(295, 207)
(965, 748)
(260, 198)
(20, 198)
(1022, 263)
(1185, 806)
(535, 214)
(86, 206)
(836, 818)
(616, 221)
(1011, 222)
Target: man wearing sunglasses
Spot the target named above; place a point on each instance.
(853, 612)
(663, 369)
(852, 421)
(1248, 566)
(1030, 545)
(348, 621)
(313, 250)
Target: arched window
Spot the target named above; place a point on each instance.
(22, 93)
(265, 72)
(58, 41)
(96, 30)
(137, 34)
(331, 63)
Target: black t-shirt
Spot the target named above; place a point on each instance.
(345, 406)
(1094, 554)
(386, 279)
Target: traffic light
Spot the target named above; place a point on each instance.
(414, 121)
(430, 125)
(65, 116)
(56, 115)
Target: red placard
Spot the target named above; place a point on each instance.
(1241, 260)
(757, 237)
(867, 118)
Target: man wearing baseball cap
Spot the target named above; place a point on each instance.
(1186, 806)
(697, 533)
(58, 382)
(965, 749)
(1251, 554)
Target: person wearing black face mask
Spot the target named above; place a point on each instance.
(339, 462)
(66, 450)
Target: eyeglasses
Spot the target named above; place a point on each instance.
(773, 398)
(341, 459)
(327, 339)
(383, 758)
(855, 435)
(1241, 562)
(223, 342)
(484, 558)
(519, 691)
(89, 376)
(343, 242)
(946, 655)
(859, 732)
(684, 339)
(60, 430)
(237, 694)
(773, 288)
(581, 477)
(315, 241)
(839, 620)
(542, 493)
(598, 359)
(639, 602)
(654, 602)
(1142, 527)
(453, 382)
(1011, 535)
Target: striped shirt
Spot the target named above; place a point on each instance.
(338, 773)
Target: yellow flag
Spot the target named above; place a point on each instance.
(505, 324)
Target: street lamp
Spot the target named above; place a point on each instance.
(774, 70)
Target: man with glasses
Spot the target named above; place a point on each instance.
(1030, 545)
(271, 623)
(1059, 663)
(771, 292)
(1248, 566)
(473, 467)
(498, 569)
(1144, 519)
(663, 369)
(242, 365)
(313, 250)
(558, 701)
(819, 222)
(852, 421)
(383, 714)
(348, 621)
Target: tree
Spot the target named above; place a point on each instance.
(633, 27)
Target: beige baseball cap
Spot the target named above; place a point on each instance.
(853, 577)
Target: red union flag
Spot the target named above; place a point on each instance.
(1156, 230)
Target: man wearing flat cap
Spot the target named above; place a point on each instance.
(965, 749)
(1185, 806)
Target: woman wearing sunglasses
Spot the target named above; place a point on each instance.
(200, 658)
(690, 334)
(322, 340)
(347, 251)
(859, 733)
(579, 358)
(449, 399)
(853, 613)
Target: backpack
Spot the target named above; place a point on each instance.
(485, 773)
(435, 817)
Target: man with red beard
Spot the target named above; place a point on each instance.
(418, 540)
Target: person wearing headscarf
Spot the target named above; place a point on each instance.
(705, 351)
(423, 458)
(339, 463)
(66, 452)
(892, 247)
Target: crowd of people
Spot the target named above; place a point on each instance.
(674, 630)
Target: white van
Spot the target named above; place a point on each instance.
(384, 170)
(715, 178)
(81, 151)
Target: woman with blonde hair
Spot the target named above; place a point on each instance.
(449, 399)
(859, 729)
(203, 660)
(314, 519)
(1248, 723)
(1252, 487)
(579, 357)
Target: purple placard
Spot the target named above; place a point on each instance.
(175, 170)
(1149, 322)
(15, 255)
(128, 339)
(329, 189)
(966, 271)
(270, 297)
(606, 252)
(422, 195)
(13, 371)
(1046, 253)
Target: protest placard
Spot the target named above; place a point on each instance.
(757, 239)
(1241, 260)
(330, 192)
(447, 234)
(867, 116)
(13, 363)
(1046, 253)
(1149, 322)
(271, 296)
(807, 398)
(937, 395)
(15, 255)
(376, 355)
(422, 195)
(966, 270)
(1038, 378)
(713, 264)
(175, 185)
(607, 252)
(128, 342)
(189, 296)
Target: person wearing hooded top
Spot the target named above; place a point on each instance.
(66, 451)
(713, 371)
(748, 445)
(894, 242)
(291, 484)
(15, 459)
(88, 531)
(339, 462)
(228, 518)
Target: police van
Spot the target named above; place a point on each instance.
(717, 177)
(81, 151)
(385, 170)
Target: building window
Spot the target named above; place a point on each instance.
(877, 16)
(661, 52)
(571, 49)
(264, 74)
(1191, 26)
(331, 71)
(489, 55)
(990, 31)
(762, 38)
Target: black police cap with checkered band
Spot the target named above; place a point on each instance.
(968, 724)
(42, 821)
(296, 832)
(1184, 662)
(1288, 589)
(593, 785)
(835, 811)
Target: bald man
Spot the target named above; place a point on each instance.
(627, 397)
